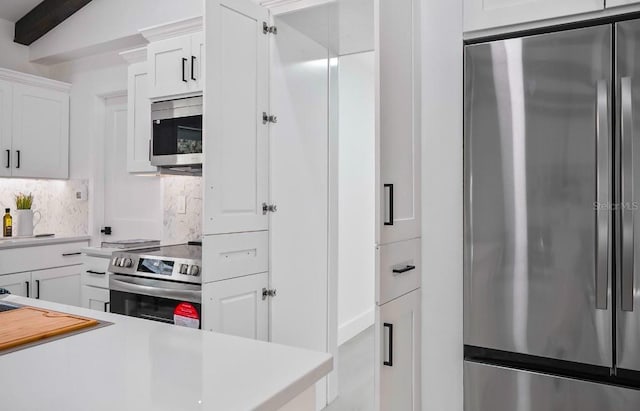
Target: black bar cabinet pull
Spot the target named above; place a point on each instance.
(193, 68)
(390, 187)
(37, 289)
(27, 284)
(96, 272)
(390, 362)
(18, 163)
(106, 306)
(71, 254)
(404, 270)
(8, 158)
(184, 78)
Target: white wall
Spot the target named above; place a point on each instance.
(442, 346)
(15, 56)
(104, 25)
(356, 257)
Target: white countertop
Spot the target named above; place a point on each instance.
(11, 242)
(99, 251)
(143, 365)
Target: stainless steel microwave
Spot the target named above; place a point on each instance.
(176, 140)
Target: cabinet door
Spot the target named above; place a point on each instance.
(17, 284)
(139, 120)
(485, 14)
(236, 307)
(6, 103)
(237, 141)
(40, 132)
(169, 65)
(95, 298)
(397, 369)
(398, 120)
(58, 285)
(197, 62)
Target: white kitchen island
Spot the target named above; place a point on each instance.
(143, 365)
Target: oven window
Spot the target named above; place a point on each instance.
(177, 136)
(150, 308)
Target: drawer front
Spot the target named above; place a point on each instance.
(17, 260)
(95, 272)
(398, 269)
(235, 255)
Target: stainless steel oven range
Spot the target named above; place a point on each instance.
(159, 283)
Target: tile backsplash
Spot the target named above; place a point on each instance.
(181, 225)
(62, 213)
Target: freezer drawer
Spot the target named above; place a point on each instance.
(491, 388)
(398, 269)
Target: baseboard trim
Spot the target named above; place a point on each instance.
(356, 325)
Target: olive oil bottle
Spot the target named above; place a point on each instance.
(7, 224)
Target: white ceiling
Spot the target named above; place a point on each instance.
(13, 10)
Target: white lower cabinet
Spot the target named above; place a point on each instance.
(17, 284)
(397, 370)
(58, 285)
(237, 307)
(95, 298)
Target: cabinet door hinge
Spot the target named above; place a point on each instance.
(269, 208)
(266, 118)
(268, 293)
(267, 29)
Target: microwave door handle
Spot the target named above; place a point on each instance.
(627, 180)
(171, 294)
(602, 196)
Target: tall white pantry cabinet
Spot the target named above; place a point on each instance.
(398, 206)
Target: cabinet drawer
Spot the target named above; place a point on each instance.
(17, 260)
(399, 269)
(235, 255)
(94, 271)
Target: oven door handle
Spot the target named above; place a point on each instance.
(154, 288)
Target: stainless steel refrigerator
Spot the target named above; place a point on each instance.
(552, 221)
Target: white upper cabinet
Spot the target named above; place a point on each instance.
(40, 139)
(236, 138)
(398, 124)
(614, 3)
(486, 14)
(175, 59)
(6, 104)
(138, 113)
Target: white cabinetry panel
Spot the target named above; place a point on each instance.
(614, 3)
(234, 255)
(58, 285)
(398, 120)
(169, 63)
(17, 284)
(40, 132)
(6, 104)
(236, 140)
(139, 120)
(236, 307)
(485, 14)
(397, 370)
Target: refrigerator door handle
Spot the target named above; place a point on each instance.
(626, 134)
(602, 196)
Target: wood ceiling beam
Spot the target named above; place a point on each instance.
(44, 18)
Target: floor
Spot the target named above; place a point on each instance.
(355, 374)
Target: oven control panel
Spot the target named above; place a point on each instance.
(174, 269)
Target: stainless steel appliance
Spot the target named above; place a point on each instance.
(552, 184)
(159, 283)
(176, 142)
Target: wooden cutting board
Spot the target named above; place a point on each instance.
(28, 324)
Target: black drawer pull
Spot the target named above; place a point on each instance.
(70, 254)
(8, 158)
(107, 307)
(390, 351)
(404, 270)
(95, 272)
(390, 206)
